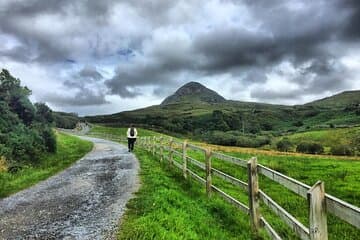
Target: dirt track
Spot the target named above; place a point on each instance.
(83, 202)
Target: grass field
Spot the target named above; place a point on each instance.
(341, 177)
(69, 150)
(169, 207)
(327, 137)
(121, 132)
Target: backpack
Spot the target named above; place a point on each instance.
(132, 132)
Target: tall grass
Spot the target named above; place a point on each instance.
(169, 207)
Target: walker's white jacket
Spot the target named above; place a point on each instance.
(128, 133)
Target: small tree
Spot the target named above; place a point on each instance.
(310, 147)
(341, 150)
(298, 124)
(284, 145)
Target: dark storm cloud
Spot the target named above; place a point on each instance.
(125, 82)
(282, 34)
(83, 78)
(295, 31)
(18, 53)
(158, 45)
(90, 73)
(84, 98)
(86, 85)
(352, 29)
(32, 23)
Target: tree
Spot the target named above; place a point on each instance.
(298, 124)
(43, 113)
(341, 150)
(25, 130)
(310, 147)
(284, 145)
(219, 122)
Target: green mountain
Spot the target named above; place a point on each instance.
(202, 113)
(341, 100)
(194, 92)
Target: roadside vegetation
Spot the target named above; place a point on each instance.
(340, 174)
(69, 150)
(30, 151)
(25, 128)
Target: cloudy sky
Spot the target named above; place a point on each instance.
(97, 57)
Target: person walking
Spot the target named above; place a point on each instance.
(131, 136)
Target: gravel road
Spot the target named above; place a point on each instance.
(85, 201)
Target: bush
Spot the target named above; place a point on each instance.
(310, 147)
(25, 129)
(266, 126)
(3, 164)
(49, 139)
(342, 150)
(235, 138)
(284, 145)
(298, 124)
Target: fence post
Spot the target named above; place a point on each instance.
(208, 171)
(184, 158)
(171, 151)
(317, 212)
(253, 184)
(161, 149)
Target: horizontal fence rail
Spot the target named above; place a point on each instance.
(295, 225)
(230, 179)
(319, 201)
(231, 200)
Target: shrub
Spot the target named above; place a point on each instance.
(235, 138)
(298, 124)
(342, 150)
(3, 164)
(310, 147)
(49, 139)
(284, 145)
(266, 126)
(25, 129)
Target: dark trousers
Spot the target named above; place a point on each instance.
(131, 142)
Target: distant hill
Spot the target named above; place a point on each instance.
(194, 92)
(341, 100)
(202, 113)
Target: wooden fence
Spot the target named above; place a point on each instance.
(319, 203)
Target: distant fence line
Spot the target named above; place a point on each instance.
(318, 201)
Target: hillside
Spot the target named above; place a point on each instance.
(201, 113)
(341, 100)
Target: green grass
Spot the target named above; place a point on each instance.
(326, 137)
(69, 150)
(98, 129)
(169, 207)
(341, 177)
